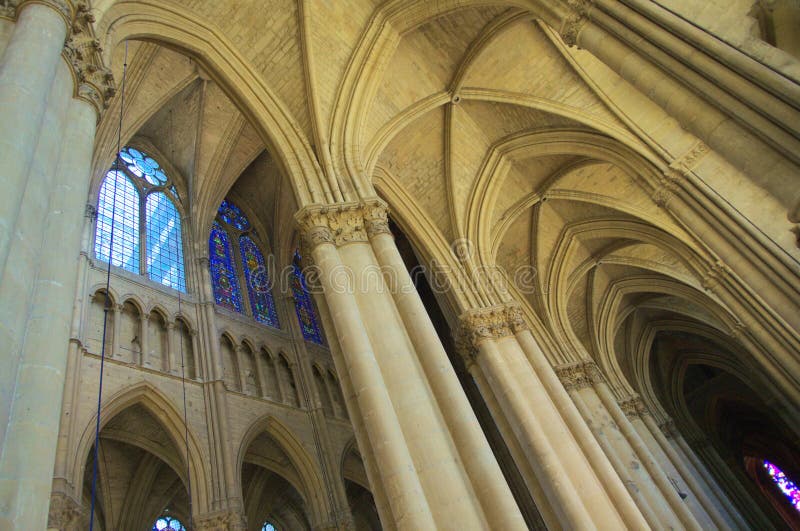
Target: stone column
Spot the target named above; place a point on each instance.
(226, 520)
(397, 474)
(28, 456)
(169, 355)
(585, 438)
(27, 71)
(479, 460)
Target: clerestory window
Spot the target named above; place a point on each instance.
(168, 523)
(138, 224)
(236, 260)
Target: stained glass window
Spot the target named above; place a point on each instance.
(236, 257)
(303, 305)
(164, 250)
(167, 523)
(268, 527)
(140, 198)
(787, 487)
(223, 273)
(232, 215)
(259, 286)
(119, 200)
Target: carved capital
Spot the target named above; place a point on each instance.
(228, 520)
(65, 513)
(575, 21)
(94, 83)
(632, 406)
(376, 218)
(573, 376)
(668, 428)
(516, 318)
(485, 323)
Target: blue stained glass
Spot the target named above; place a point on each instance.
(259, 287)
(142, 165)
(164, 250)
(268, 527)
(223, 273)
(303, 305)
(167, 523)
(125, 251)
(233, 215)
(787, 487)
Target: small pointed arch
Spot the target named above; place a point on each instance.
(160, 310)
(185, 355)
(311, 484)
(230, 361)
(323, 391)
(250, 376)
(136, 301)
(99, 290)
(170, 419)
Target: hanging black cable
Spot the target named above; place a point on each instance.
(107, 305)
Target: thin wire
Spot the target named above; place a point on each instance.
(185, 418)
(107, 305)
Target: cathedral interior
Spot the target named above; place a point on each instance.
(399, 264)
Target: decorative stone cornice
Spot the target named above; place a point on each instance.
(229, 520)
(575, 21)
(342, 223)
(64, 513)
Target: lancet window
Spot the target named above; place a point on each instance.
(236, 260)
(138, 223)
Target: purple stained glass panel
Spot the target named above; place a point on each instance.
(303, 305)
(223, 273)
(259, 287)
(787, 487)
(233, 215)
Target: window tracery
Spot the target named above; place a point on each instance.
(229, 267)
(137, 198)
(167, 523)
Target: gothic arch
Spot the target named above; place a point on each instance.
(179, 28)
(312, 486)
(162, 409)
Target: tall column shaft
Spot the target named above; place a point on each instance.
(594, 454)
(27, 70)
(28, 456)
(479, 461)
(398, 474)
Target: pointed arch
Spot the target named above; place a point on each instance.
(167, 414)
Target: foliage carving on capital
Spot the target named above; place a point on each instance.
(575, 21)
(230, 520)
(485, 323)
(716, 273)
(633, 406)
(376, 218)
(94, 82)
(573, 376)
(516, 318)
(64, 513)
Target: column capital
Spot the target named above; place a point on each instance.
(716, 273)
(94, 83)
(12, 8)
(633, 406)
(224, 520)
(575, 20)
(64, 512)
(342, 223)
(573, 376)
(491, 323)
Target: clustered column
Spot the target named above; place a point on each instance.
(46, 141)
(423, 459)
(568, 477)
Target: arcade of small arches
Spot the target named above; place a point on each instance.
(605, 333)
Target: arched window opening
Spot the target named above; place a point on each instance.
(303, 304)
(168, 523)
(268, 527)
(786, 486)
(236, 258)
(137, 197)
